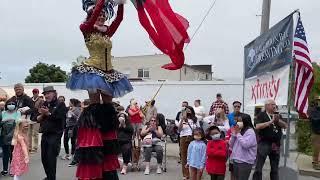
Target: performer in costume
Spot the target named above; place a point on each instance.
(96, 74)
(97, 145)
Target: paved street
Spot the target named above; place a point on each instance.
(173, 169)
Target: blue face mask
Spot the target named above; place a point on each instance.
(216, 136)
(11, 107)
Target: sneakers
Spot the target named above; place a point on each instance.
(4, 173)
(72, 164)
(66, 157)
(124, 170)
(159, 170)
(33, 151)
(135, 167)
(147, 171)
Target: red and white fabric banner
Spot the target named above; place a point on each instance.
(273, 85)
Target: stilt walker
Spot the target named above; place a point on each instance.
(97, 138)
(97, 145)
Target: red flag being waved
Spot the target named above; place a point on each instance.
(167, 30)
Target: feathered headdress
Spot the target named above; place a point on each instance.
(88, 5)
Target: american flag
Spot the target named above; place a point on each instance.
(303, 69)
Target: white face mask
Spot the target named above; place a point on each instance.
(240, 125)
(122, 119)
(11, 107)
(216, 136)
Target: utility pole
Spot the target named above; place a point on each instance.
(265, 18)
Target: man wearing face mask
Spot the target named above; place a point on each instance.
(269, 126)
(314, 116)
(51, 117)
(24, 103)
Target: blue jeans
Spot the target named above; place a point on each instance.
(7, 156)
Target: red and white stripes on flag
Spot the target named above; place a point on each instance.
(303, 69)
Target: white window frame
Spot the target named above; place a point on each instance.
(144, 70)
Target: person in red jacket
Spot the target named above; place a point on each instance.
(216, 154)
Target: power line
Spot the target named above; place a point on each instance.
(204, 18)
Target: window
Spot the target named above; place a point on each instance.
(207, 77)
(143, 73)
(140, 73)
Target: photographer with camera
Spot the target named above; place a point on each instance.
(269, 125)
(187, 123)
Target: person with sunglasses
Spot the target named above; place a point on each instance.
(152, 134)
(235, 114)
(7, 125)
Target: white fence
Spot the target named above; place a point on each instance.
(169, 98)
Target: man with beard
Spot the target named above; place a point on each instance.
(23, 101)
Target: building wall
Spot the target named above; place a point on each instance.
(130, 65)
(190, 74)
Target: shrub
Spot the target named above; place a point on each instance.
(304, 137)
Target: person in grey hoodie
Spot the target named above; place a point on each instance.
(70, 131)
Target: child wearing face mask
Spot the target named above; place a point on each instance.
(196, 154)
(216, 154)
(19, 164)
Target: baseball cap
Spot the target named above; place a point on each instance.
(35, 90)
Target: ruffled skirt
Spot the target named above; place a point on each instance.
(97, 144)
(92, 79)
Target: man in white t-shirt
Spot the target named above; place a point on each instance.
(199, 111)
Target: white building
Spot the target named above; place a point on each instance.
(148, 67)
(168, 100)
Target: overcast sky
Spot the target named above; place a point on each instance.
(47, 31)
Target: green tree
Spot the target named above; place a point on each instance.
(315, 91)
(45, 73)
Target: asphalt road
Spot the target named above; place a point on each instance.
(64, 172)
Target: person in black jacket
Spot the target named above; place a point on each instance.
(125, 133)
(51, 117)
(314, 116)
(24, 103)
(269, 125)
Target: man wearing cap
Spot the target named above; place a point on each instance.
(219, 103)
(34, 125)
(23, 102)
(51, 116)
(314, 116)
